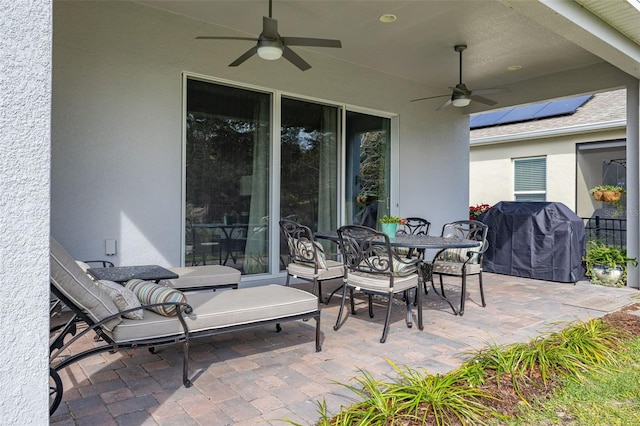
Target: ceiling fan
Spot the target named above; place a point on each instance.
(272, 46)
(461, 96)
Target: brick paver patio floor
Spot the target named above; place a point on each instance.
(260, 377)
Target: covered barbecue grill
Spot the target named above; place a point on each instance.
(541, 240)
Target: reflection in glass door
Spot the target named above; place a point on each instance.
(368, 142)
(309, 171)
(227, 160)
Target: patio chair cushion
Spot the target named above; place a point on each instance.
(222, 309)
(459, 255)
(76, 285)
(380, 283)
(149, 293)
(123, 298)
(334, 269)
(400, 268)
(305, 251)
(455, 268)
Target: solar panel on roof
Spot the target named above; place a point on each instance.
(528, 112)
(521, 113)
(487, 118)
(563, 106)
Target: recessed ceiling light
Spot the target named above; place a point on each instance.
(388, 17)
(514, 67)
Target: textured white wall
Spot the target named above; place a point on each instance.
(117, 125)
(25, 88)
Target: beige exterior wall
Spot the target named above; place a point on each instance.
(491, 168)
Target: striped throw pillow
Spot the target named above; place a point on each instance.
(459, 255)
(149, 292)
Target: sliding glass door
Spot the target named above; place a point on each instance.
(231, 204)
(368, 142)
(309, 165)
(227, 160)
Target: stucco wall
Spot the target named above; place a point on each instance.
(117, 126)
(491, 166)
(25, 70)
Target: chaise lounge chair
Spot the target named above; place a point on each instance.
(200, 314)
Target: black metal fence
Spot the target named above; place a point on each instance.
(609, 231)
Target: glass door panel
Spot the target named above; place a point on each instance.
(227, 177)
(309, 171)
(368, 141)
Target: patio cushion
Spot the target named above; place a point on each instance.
(304, 270)
(305, 251)
(123, 298)
(400, 268)
(75, 284)
(459, 255)
(149, 293)
(84, 266)
(203, 276)
(455, 268)
(222, 309)
(380, 282)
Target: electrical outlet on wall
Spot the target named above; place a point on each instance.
(110, 247)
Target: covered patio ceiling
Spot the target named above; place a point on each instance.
(542, 38)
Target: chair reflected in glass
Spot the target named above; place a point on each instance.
(371, 266)
(461, 262)
(307, 259)
(200, 243)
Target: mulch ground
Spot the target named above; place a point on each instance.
(503, 396)
(505, 399)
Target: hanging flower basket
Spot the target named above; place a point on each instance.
(607, 193)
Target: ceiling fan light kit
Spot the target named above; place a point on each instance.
(270, 49)
(460, 102)
(272, 46)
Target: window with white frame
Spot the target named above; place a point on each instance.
(530, 179)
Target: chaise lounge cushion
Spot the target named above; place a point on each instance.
(221, 310)
(123, 298)
(198, 277)
(81, 290)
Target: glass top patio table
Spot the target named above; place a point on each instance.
(414, 241)
(418, 242)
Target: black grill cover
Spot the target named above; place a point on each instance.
(541, 240)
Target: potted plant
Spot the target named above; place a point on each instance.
(607, 264)
(390, 224)
(477, 210)
(607, 193)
